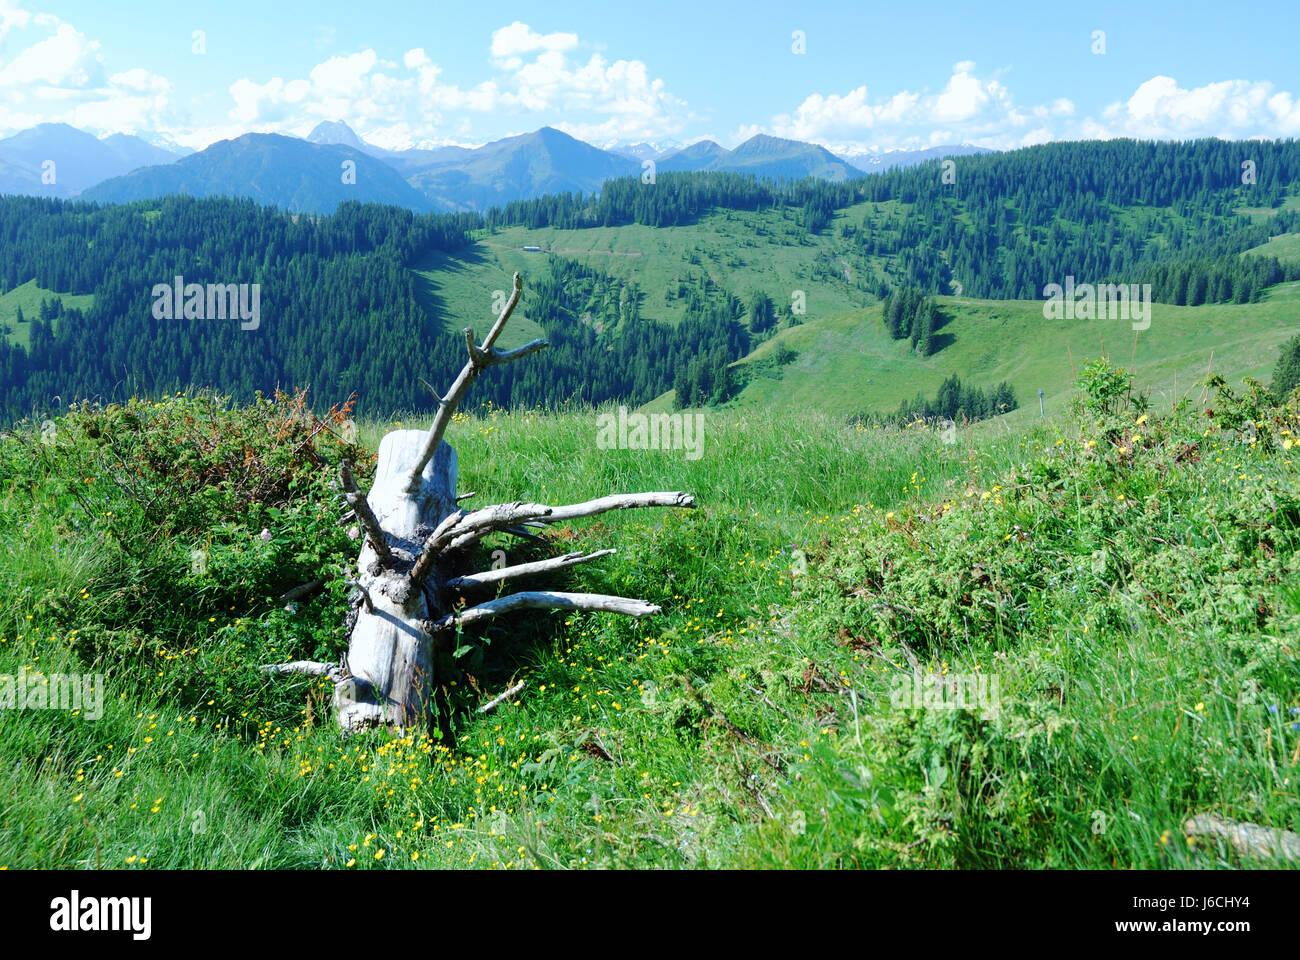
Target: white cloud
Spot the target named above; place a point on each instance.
(1236, 109)
(982, 110)
(59, 76)
(63, 59)
(963, 98)
(399, 105)
(968, 108)
(520, 38)
(51, 71)
(12, 17)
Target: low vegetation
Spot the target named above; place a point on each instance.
(1120, 585)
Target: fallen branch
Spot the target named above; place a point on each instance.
(1247, 839)
(309, 668)
(524, 534)
(301, 591)
(776, 764)
(545, 600)
(487, 577)
(501, 698)
(473, 526)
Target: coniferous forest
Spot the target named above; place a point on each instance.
(342, 315)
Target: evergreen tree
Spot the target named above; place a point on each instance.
(1286, 376)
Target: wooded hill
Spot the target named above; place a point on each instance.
(369, 299)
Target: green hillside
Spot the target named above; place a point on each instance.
(28, 297)
(461, 286)
(847, 363)
(1285, 246)
(1119, 587)
(737, 250)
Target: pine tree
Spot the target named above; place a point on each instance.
(1286, 377)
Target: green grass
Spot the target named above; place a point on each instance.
(848, 364)
(739, 251)
(27, 297)
(1285, 246)
(1257, 214)
(470, 286)
(1134, 599)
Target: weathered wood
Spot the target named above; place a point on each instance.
(502, 697)
(1247, 839)
(310, 668)
(389, 655)
(501, 516)
(302, 591)
(407, 586)
(545, 600)
(489, 577)
(365, 516)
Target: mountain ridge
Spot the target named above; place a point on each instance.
(448, 178)
(272, 169)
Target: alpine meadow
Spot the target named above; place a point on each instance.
(567, 444)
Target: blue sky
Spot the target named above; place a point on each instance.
(873, 76)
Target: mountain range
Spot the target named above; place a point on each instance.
(57, 160)
(274, 170)
(333, 164)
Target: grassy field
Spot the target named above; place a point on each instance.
(738, 251)
(27, 297)
(1285, 246)
(848, 364)
(1129, 580)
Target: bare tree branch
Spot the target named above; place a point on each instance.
(501, 698)
(480, 358)
(490, 358)
(545, 600)
(473, 526)
(619, 501)
(488, 577)
(524, 534)
(310, 668)
(302, 590)
(365, 594)
(365, 516)
(1247, 839)
(424, 562)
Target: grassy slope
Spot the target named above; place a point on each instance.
(142, 772)
(28, 296)
(848, 364)
(610, 758)
(739, 251)
(1285, 246)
